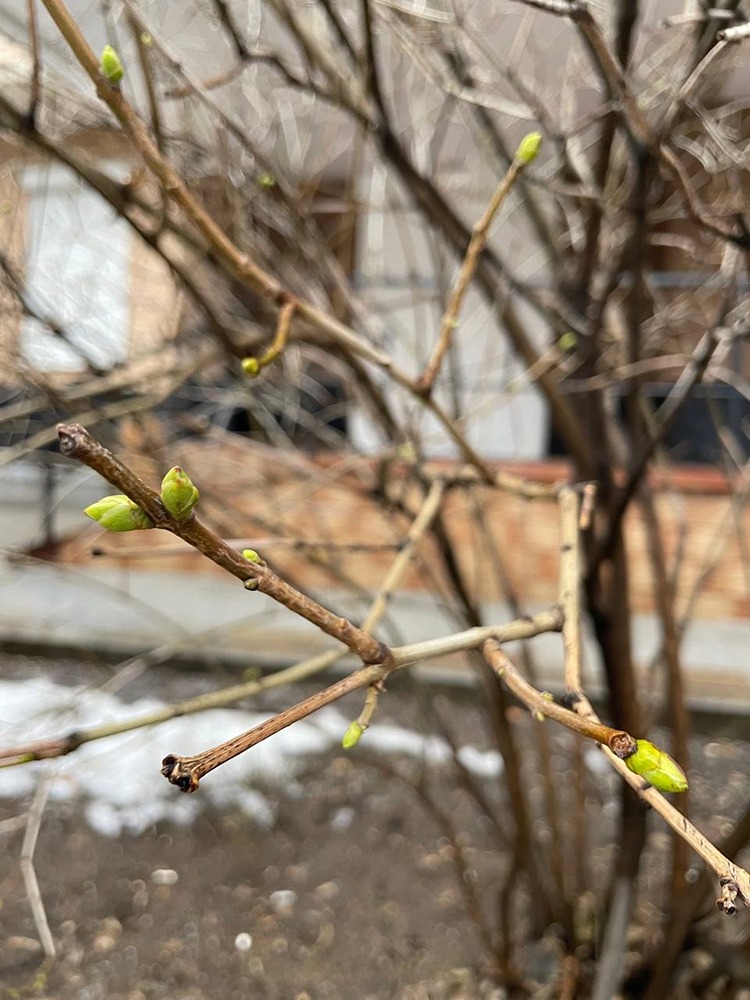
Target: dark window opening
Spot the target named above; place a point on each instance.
(693, 438)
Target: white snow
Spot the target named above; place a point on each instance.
(117, 779)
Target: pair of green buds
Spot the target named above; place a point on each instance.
(120, 513)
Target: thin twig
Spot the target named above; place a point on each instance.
(734, 881)
(35, 91)
(618, 741)
(29, 872)
(400, 564)
(255, 365)
(474, 250)
(570, 585)
(403, 656)
(186, 772)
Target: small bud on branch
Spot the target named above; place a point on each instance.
(118, 513)
(111, 65)
(353, 735)
(178, 494)
(657, 767)
(528, 148)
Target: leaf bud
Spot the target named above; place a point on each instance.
(657, 767)
(178, 494)
(353, 735)
(118, 513)
(528, 148)
(111, 65)
(567, 341)
(252, 556)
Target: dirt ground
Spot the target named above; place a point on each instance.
(355, 891)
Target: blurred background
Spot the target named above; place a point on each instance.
(347, 151)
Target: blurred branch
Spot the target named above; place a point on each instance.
(35, 91)
(28, 871)
(479, 235)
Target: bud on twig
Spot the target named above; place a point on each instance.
(251, 367)
(178, 494)
(657, 767)
(252, 556)
(118, 513)
(353, 735)
(528, 148)
(111, 65)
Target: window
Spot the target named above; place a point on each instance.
(77, 275)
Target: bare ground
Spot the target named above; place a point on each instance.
(358, 890)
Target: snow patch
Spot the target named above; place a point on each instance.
(117, 778)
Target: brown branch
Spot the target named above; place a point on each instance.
(474, 250)
(619, 742)
(186, 772)
(36, 57)
(570, 586)
(403, 656)
(29, 872)
(372, 72)
(77, 443)
(734, 880)
(253, 366)
(663, 420)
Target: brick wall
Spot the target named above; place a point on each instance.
(276, 502)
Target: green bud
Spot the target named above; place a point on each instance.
(118, 513)
(267, 180)
(111, 65)
(657, 767)
(251, 367)
(567, 341)
(178, 494)
(353, 735)
(528, 148)
(252, 556)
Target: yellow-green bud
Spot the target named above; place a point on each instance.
(657, 767)
(528, 148)
(252, 556)
(267, 180)
(567, 341)
(111, 65)
(118, 513)
(353, 735)
(251, 367)
(178, 494)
